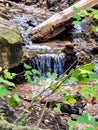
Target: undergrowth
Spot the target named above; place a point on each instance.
(83, 74)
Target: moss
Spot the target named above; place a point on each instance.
(10, 36)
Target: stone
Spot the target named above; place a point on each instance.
(10, 44)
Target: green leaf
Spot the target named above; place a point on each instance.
(93, 122)
(83, 13)
(67, 92)
(14, 100)
(96, 16)
(27, 66)
(53, 75)
(69, 100)
(76, 10)
(76, 22)
(34, 71)
(88, 67)
(27, 73)
(90, 9)
(94, 28)
(2, 80)
(19, 123)
(85, 92)
(72, 123)
(52, 85)
(58, 107)
(3, 91)
(83, 118)
(89, 128)
(38, 79)
(95, 86)
(29, 79)
(0, 68)
(8, 75)
(76, 16)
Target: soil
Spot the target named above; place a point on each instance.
(43, 110)
(50, 120)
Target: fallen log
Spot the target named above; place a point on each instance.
(58, 22)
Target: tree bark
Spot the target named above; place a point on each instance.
(58, 22)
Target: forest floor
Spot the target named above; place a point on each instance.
(41, 113)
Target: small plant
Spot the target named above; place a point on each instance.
(90, 13)
(4, 84)
(90, 123)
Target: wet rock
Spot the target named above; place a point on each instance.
(10, 44)
(83, 32)
(69, 49)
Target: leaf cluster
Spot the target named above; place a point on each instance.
(89, 12)
(91, 123)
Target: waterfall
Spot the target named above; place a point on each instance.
(54, 63)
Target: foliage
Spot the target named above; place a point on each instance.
(57, 108)
(29, 72)
(14, 100)
(83, 74)
(89, 12)
(90, 123)
(5, 82)
(3, 91)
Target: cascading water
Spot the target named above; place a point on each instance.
(54, 63)
(47, 58)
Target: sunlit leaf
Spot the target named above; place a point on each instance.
(8, 75)
(58, 107)
(83, 13)
(3, 91)
(83, 118)
(96, 16)
(76, 22)
(52, 85)
(76, 16)
(2, 80)
(76, 10)
(93, 122)
(38, 79)
(89, 128)
(27, 66)
(28, 72)
(44, 83)
(14, 100)
(88, 67)
(69, 100)
(0, 68)
(34, 71)
(67, 92)
(71, 124)
(51, 75)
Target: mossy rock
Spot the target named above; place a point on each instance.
(10, 44)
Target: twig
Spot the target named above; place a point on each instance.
(39, 121)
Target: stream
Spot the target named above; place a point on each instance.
(45, 58)
(48, 56)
